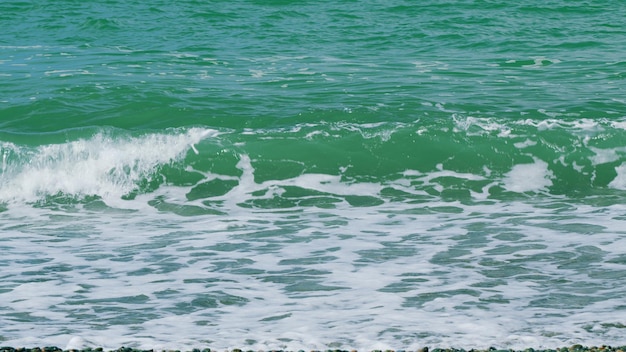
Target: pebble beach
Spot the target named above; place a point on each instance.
(312, 175)
(573, 348)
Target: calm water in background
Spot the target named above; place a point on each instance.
(298, 174)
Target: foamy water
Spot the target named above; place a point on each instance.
(346, 278)
(372, 271)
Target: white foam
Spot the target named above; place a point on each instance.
(540, 61)
(67, 73)
(351, 243)
(525, 144)
(106, 166)
(619, 182)
(474, 126)
(528, 177)
(603, 156)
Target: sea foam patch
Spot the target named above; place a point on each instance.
(393, 275)
(528, 177)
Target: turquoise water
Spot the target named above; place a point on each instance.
(294, 174)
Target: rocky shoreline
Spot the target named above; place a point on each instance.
(574, 348)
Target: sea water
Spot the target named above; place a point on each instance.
(312, 175)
